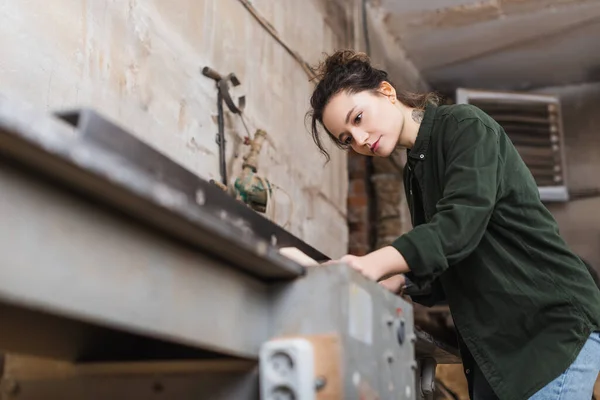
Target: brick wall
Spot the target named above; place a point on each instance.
(377, 211)
(391, 210)
(359, 225)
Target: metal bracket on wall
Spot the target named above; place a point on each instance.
(224, 95)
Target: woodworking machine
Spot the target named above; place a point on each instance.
(144, 280)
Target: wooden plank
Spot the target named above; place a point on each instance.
(29, 378)
(328, 366)
(27, 367)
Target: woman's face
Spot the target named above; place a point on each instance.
(368, 122)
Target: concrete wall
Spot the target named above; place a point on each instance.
(138, 62)
(579, 220)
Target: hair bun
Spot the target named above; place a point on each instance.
(340, 59)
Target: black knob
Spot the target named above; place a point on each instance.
(401, 332)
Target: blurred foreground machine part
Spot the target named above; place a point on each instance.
(134, 278)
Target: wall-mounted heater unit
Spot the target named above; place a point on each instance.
(534, 124)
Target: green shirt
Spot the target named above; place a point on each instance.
(521, 300)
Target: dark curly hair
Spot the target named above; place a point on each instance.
(351, 71)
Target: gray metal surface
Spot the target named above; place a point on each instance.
(96, 130)
(114, 167)
(337, 299)
(81, 274)
(65, 257)
(86, 269)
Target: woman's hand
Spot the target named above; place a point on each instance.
(378, 265)
(394, 284)
(361, 265)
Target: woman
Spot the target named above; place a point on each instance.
(526, 309)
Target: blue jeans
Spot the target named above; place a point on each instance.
(577, 382)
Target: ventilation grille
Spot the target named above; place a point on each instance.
(533, 123)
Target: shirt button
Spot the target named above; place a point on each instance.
(468, 371)
(422, 156)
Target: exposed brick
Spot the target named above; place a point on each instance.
(358, 235)
(391, 165)
(358, 250)
(358, 205)
(357, 187)
(359, 226)
(357, 201)
(357, 167)
(357, 214)
(388, 190)
(358, 239)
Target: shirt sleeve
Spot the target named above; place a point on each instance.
(463, 212)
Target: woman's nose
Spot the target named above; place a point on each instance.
(361, 137)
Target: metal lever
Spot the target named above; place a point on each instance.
(224, 95)
(427, 368)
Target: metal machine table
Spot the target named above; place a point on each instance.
(114, 258)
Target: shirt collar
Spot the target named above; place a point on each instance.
(419, 150)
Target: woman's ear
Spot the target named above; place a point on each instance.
(388, 91)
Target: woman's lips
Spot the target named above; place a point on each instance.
(375, 145)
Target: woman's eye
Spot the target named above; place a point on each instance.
(358, 118)
(347, 140)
